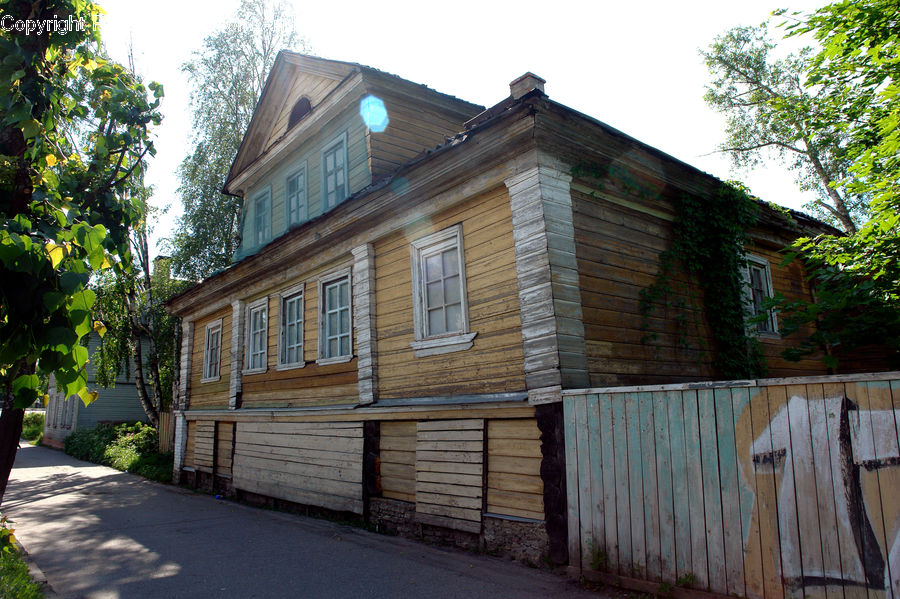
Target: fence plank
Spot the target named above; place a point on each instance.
(650, 485)
(573, 507)
(696, 507)
(584, 483)
(636, 485)
(595, 446)
(712, 499)
(623, 489)
(610, 488)
(680, 497)
(730, 489)
(667, 552)
(823, 409)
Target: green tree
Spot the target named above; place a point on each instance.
(140, 337)
(857, 277)
(227, 78)
(770, 111)
(74, 131)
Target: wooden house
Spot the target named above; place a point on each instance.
(117, 404)
(418, 280)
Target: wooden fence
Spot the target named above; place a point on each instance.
(766, 488)
(166, 431)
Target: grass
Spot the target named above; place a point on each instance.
(15, 579)
(33, 427)
(126, 447)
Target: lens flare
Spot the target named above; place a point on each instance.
(374, 113)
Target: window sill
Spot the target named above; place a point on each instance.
(334, 360)
(442, 345)
(290, 366)
(211, 380)
(253, 371)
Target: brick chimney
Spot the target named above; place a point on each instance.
(524, 84)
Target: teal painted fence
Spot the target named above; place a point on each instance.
(769, 488)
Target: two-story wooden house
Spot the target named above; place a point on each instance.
(418, 280)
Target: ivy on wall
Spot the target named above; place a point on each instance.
(709, 235)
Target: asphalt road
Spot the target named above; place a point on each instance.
(99, 533)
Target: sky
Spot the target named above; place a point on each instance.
(633, 65)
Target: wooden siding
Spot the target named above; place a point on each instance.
(313, 87)
(449, 473)
(411, 130)
(310, 463)
(494, 363)
(224, 447)
(618, 248)
(203, 433)
(310, 154)
(784, 488)
(397, 460)
(514, 485)
(166, 432)
(313, 384)
(214, 394)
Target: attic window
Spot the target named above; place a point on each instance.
(300, 110)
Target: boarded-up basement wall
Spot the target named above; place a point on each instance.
(314, 463)
(514, 485)
(398, 460)
(449, 471)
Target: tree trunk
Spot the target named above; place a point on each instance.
(140, 382)
(10, 431)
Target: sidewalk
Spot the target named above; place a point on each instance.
(99, 533)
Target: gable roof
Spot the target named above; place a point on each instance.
(324, 77)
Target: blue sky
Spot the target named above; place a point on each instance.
(634, 66)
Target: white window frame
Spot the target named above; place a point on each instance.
(261, 237)
(207, 377)
(752, 327)
(296, 292)
(339, 144)
(303, 208)
(425, 344)
(326, 281)
(263, 305)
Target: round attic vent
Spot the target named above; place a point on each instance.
(300, 110)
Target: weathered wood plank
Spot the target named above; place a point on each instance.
(680, 494)
(636, 484)
(623, 487)
(449, 522)
(450, 467)
(608, 468)
(650, 483)
(729, 486)
(450, 511)
(667, 552)
(514, 483)
(572, 495)
(450, 425)
(515, 465)
(696, 508)
(465, 457)
(596, 450)
(452, 478)
(712, 499)
(307, 471)
(339, 444)
(583, 454)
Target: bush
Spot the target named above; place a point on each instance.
(33, 426)
(126, 447)
(15, 579)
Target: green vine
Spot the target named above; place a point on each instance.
(708, 239)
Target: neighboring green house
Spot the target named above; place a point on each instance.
(116, 404)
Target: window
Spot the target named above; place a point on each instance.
(440, 311)
(335, 325)
(290, 336)
(262, 221)
(334, 173)
(759, 287)
(257, 336)
(212, 351)
(295, 189)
